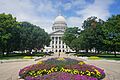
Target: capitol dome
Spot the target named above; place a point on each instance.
(59, 23)
(60, 19)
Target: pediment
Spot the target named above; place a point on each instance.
(57, 32)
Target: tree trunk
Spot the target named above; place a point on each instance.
(98, 51)
(86, 50)
(115, 50)
(77, 51)
(3, 52)
(8, 51)
(95, 51)
(115, 54)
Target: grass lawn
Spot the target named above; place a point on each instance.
(13, 57)
(110, 57)
(93, 56)
(20, 56)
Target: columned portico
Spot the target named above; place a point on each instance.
(57, 44)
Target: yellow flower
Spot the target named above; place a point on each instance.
(67, 70)
(30, 73)
(75, 72)
(62, 69)
(61, 59)
(81, 72)
(52, 69)
(97, 72)
(88, 72)
(92, 73)
(40, 62)
(49, 72)
(38, 72)
(44, 70)
(81, 63)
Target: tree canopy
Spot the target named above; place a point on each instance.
(16, 35)
(9, 33)
(111, 30)
(69, 35)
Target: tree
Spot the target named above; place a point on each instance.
(89, 22)
(9, 33)
(75, 45)
(93, 35)
(111, 30)
(85, 37)
(70, 35)
(16, 35)
(33, 36)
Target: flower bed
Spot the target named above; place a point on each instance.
(61, 69)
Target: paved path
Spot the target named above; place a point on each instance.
(112, 69)
(9, 71)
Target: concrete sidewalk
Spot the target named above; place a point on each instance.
(9, 71)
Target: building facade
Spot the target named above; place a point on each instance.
(58, 28)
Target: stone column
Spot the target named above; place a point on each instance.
(51, 44)
(54, 44)
(61, 46)
(64, 47)
(58, 44)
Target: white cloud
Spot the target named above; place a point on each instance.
(45, 7)
(67, 6)
(99, 9)
(74, 21)
(75, 4)
(79, 2)
(26, 10)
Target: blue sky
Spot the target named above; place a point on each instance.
(43, 12)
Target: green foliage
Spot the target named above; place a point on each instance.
(93, 34)
(16, 35)
(87, 39)
(59, 62)
(70, 35)
(9, 33)
(33, 36)
(91, 22)
(111, 30)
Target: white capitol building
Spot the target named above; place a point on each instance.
(58, 28)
